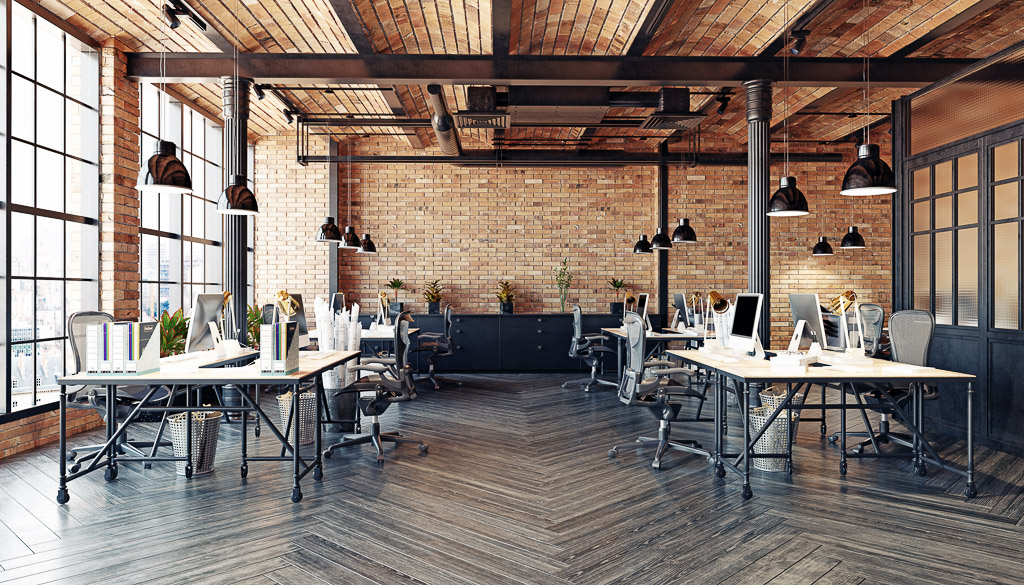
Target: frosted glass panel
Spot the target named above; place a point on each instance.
(967, 278)
(1005, 275)
(1005, 203)
(922, 273)
(967, 171)
(944, 278)
(944, 177)
(922, 185)
(922, 216)
(967, 208)
(944, 212)
(1005, 161)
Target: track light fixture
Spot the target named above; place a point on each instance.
(260, 94)
(723, 104)
(170, 18)
(175, 8)
(800, 40)
(288, 116)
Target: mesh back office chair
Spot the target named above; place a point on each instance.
(440, 345)
(95, 397)
(648, 384)
(587, 347)
(390, 380)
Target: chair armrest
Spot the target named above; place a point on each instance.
(593, 336)
(671, 371)
(600, 348)
(390, 361)
(659, 364)
(431, 335)
(376, 368)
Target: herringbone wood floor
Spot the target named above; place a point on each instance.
(517, 488)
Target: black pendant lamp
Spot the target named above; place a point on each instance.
(367, 246)
(328, 232)
(164, 172)
(852, 240)
(642, 246)
(822, 248)
(237, 199)
(788, 201)
(349, 239)
(869, 174)
(684, 232)
(660, 241)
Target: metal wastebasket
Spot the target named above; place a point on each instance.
(205, 433)
(307, 415)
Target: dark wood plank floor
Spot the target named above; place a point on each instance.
(517, 488)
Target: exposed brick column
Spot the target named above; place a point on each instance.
(119, 170)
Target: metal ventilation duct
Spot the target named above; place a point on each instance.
(443, 124)
(483, 110)
(673, 112)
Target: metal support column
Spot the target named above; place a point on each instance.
(663, 224)
(333, 211)
(759, 116)
(236, 138)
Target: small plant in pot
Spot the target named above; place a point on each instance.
(506, 297)
(395, 307)
(619, 286)
(173, 329)
(563, 278)
(433, 293)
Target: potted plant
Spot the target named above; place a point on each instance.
(253, 320)
(563, 278)
(619, 286)
(395, 307)
(433, 292)
(506, 297)
(173, 329)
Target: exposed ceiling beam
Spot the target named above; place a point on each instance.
(801, 23)
(211, 32)
(569, 158)
(947, 27)
(501, 24)
(655, 16)
(813, 106)
(540, 70)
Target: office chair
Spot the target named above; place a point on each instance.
(390, 380)
(95, 397)
(440, 345)
(872, 319)
(647, 383)
(587, 347)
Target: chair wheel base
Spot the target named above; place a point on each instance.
(76, 468)
(832, 439)
(612, 453)
(327, 454)
(423, 448)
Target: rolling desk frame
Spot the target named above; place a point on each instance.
(744, 373)
(311, 366)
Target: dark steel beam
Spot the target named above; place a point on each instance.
(947, 27)
(570, 158)
(540, 70)
(655, 16)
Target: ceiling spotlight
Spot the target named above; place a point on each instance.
(800, 37)
(723, 103)
(260, 94)
(288, 116)
(170, 18)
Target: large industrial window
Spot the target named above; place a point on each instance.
(181, 234)
(53, 207)
(944, 228)
(1006, 178)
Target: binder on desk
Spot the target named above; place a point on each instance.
(93, 333)
(279, 354)
(123, 347)
(142, 348)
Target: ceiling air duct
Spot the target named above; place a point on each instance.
(483, 110)
(673, 112)
(443, 124)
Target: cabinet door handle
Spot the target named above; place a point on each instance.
(540, 347)
(540, 320)
(458, 319)
(459, 347)
(458, 331)
(540, 331)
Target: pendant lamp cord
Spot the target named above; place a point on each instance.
(785, 73)
(867, 75)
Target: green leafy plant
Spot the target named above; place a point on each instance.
(173, 329)
(433, 291)
(618, 285)
(506, 291)
(396, 284)
(253, 320)
(563, 278)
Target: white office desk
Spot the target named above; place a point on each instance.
(657, 340)
(747, 371)
(193, 372)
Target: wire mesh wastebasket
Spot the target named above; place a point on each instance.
(775, 439)
(307, 415)
(205, 433)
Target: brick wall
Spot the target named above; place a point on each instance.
(41, 429)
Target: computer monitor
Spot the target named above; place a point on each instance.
(641, 308)
(743, 336)
(684, 310)
(807, 307)
(205, 309)
(300, 318)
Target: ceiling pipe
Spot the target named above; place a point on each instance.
(443, 123)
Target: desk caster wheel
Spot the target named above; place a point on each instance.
(423, 448)
(842, 468)
(110, 473)
(920, 470)
(296, 495)
(71, 455)
(747, 493)
(789, 468)
(831, 440)
(565, 386)
(380, 461)
(76, 468)
(257, 432)
(824, 429)
(656, 464)
(327, 454)
(720, 470)
(63, 496)
(188, 472)
(969, 492)
(612, 453)
(244, 471)
(318, 473)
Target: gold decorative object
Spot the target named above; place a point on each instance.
(719, 304)
(694, 301)
(842, 303)
(285, 303)
(383, 298)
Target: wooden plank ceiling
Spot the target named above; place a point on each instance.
(837, 28)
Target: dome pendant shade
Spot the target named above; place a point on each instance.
(869, 174)
(164, 172)
(237, 199)
(328, 232)
(853, 239)
(642, 246)
(788, 201)
(684, 233)
(822, 248)
(367, 246)
(349, 239)
(660, 241)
